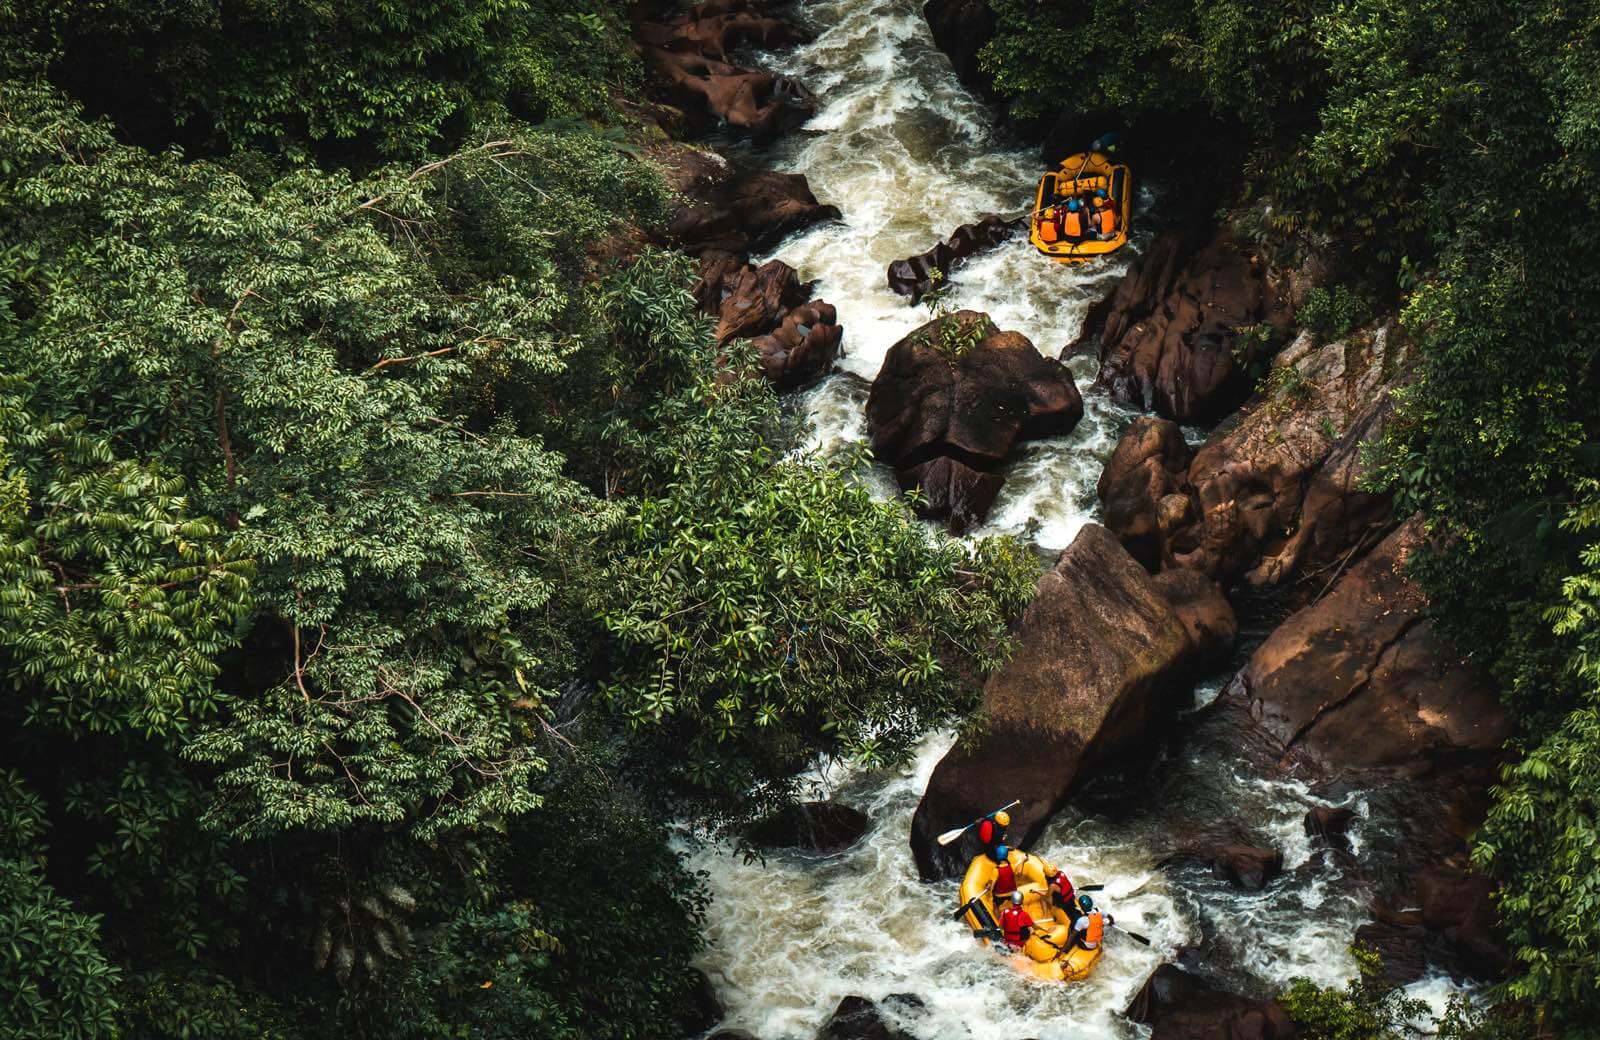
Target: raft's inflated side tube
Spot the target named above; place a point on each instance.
(1093, 168)
(1046, 956)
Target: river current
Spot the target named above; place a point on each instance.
(907, 154)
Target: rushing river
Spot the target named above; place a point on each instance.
(907, 154)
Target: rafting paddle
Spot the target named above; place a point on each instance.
(951, 835)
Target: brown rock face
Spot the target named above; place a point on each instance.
(1361, 680)
(960, 29)
(1148, 464)
(959, 389)
(1446, 920)
(1178, 1006)
(1206, 614)
(1100, 657)
(755, 298)
(688, 52)
(803, 346)
(732, 209)
(1173, 328)
(1275, 492)
(915, 275)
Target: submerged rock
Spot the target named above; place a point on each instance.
(1330, 825)
(915, 275)
(1172, 342)
(1100, 664)
(958, 389)
(1361, 680)
(857, 1018)
(814, 826)
(1249, 867)
(1178, 1006)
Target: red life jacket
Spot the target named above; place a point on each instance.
(1005, 880)
(1013, 919)
(989, 832)
(1063, 885)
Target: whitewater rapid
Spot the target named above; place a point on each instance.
(907, 154)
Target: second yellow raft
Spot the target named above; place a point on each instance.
(1060, 962)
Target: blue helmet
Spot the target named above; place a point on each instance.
(1073, 205)
(1001, 852)
(1100, 193)
(1085, 903)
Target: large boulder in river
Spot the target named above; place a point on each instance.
(1206, 614)
(857, 1018)
(1178, 1006)
(1172, 342)
(1100, 662)
(959, 392)
(1147, 465)
(813, 826)
(916, 275)
(754, 300)
(733, 209)
(1277, 491)
(1361, 680)
(803, 347)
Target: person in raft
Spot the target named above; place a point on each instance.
(1063, 895)
(1090, 926)
(1016, 924)
(1073, 227)
(1005, 878)
(992, 830)
(1104, 221)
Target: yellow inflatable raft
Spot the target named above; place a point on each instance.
(1080, 176)
(1048, 954)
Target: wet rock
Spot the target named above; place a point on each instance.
(1361, 680)
(1094, 325)
(703, 1009)
(857, 1018)
(733, 1034)
(960, 29)
(1330, 825)
(755, 299)
(1173, 329)
(915, 275)
(1275, 494)
(1148, 464)
(687, 54)
(1247, 866)
(803, 347)
(735, 209)
(1445, 921)
(1101, 660)
(1178, 1006)
(1206, 614)
(959, 389)
(952, 491)
(814, 826)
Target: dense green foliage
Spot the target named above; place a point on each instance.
(1446, 156)
(353, 511)
(1368, 1008)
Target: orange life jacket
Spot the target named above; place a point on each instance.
(1005, 880)
(1048, 232)
(1090, 934)
(1073, 224)
(1108, 219)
